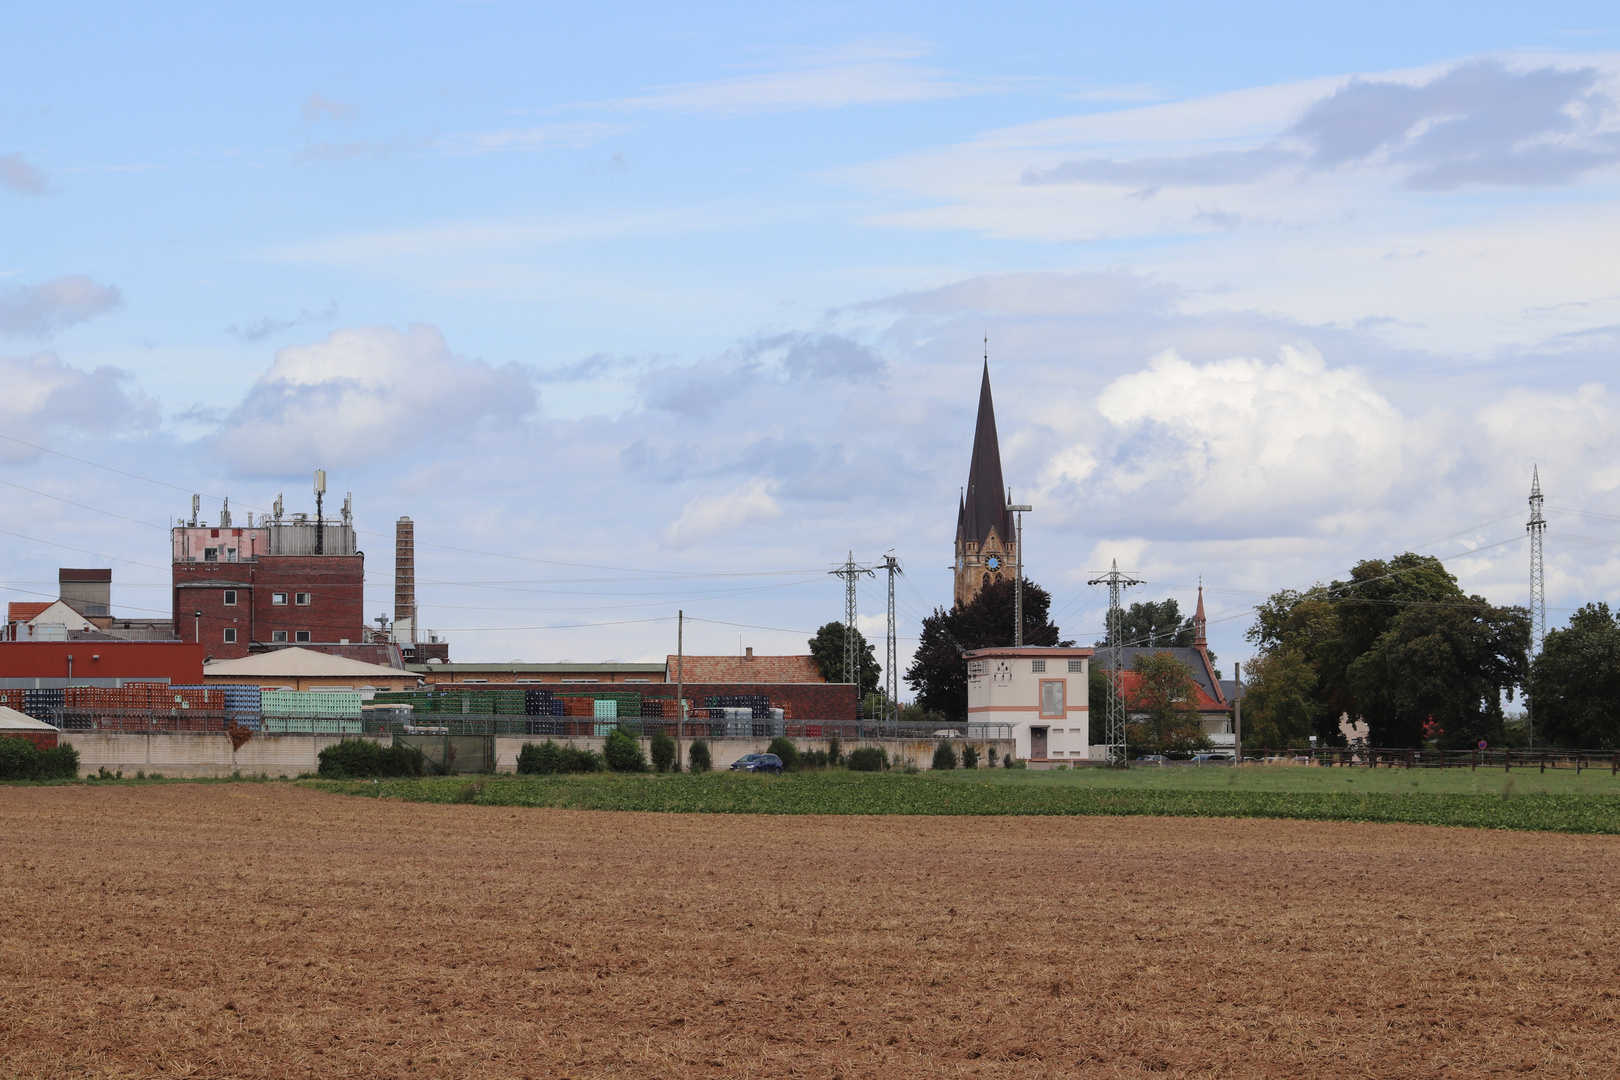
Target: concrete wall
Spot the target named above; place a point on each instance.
(192, 754)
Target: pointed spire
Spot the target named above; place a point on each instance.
(1535, 481)
(1199, 622)
(984, 508)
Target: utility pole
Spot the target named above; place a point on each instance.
(1538, 585)
(891, 676)
(1018, 563)
(680, 685)
(850, 572)
(1117, 583)
(1237, 714)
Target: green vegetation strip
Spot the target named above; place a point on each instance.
(853, 793)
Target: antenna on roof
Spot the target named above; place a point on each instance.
(225, 514)
(196, 503)
(276, 506)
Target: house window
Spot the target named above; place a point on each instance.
(1052, 694)
(210, 554)
(230, 597)
(279, 599)
(1076, 667)
(300, 635)
(230, 554)
(302, 598)
(278, 635)
(1038, 666)
(230, 635)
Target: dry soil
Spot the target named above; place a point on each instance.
(264, 930)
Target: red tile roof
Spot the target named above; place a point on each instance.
(747, 669)
(25, 610)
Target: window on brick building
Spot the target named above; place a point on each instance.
(230, 554)
(279, 599)
(230, 597)
(278, 635)
(1037, 666)
(230, 635)
(302, 598)
(300, 635)
(210, 554)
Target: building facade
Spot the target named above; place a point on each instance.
(986, 545)
(289, 581)
(1039, 695)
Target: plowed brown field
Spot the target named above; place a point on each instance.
(268, 931)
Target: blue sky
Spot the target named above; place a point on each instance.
(673, 307)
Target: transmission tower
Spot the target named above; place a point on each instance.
(1115, 725)
(851, 572)
(1538, 584)
(891, 677)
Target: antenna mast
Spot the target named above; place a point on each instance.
(1538, 584)
(1115, 725)
(891, 674)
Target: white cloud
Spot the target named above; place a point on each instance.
(41, 310)
(18, 175)
(708, 516)
(866, 72)
(366, 393)
(43, 394)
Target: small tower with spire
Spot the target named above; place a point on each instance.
(1200, 638)
(986, 548)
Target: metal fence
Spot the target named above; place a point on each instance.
(1400, 758)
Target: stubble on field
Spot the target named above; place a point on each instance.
(269, 931)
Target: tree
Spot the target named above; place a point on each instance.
(828, 649)
(1280, 705)
(623, 752)
(939, 674)
(1439, 673)
(1397, 643)
(663, 752)
(1154, 626)
(1163, 707)
(1575, 682)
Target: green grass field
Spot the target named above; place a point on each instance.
(1554, 802)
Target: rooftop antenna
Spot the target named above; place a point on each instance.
(225, 514)
(276, 506)
(348, 508)
(320, 493)
(196, 504)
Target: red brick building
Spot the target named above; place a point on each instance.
(282, 582)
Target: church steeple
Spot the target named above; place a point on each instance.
(984, 533)
(1199, 622)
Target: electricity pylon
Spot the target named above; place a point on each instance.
(1115, 725)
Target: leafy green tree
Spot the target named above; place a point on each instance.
(945, 756)
(1281, 708)
(1154, 626)
(939, 674)
(1440, 672)
(828, 649)
(784, 748)
(1163, 706)
(1575, 682)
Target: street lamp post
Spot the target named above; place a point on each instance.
(1018, 573)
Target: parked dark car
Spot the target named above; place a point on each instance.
(1152, 759)
(1212, 759)
(758, 763)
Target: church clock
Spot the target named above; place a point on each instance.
(993, 562)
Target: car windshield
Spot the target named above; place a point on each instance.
(750, 757)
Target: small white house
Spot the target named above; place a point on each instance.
(1039, 694)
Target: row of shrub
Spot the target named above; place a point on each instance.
(362, 759)
(20, 759)
(945, 757)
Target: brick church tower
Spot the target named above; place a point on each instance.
(986, 546)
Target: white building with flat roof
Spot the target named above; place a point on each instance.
(1040, 694)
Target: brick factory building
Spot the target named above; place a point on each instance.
(289, 580)
(83, 662)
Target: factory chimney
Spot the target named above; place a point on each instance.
(405, 581)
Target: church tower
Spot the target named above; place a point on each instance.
(985, 542)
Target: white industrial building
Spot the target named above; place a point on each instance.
(1039, 694)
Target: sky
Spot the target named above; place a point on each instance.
(638, 309)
